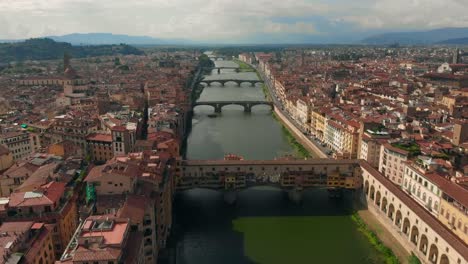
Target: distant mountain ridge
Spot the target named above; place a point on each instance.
(417, 38)
(109, 39)
(457, 41)
(48, 49)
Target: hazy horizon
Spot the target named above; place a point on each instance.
(225, 21)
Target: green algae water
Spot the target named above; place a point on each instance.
(265, 227)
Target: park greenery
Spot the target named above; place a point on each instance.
(298, 147)
(412, 259)
(412, 147)
(205, 62)
(48, 49)
(388, 254)
(243, 67)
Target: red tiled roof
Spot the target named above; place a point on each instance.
(100, 137)
(48, 194)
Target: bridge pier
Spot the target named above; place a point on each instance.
(219, 70)
(295, 195)
(218, 108)
(230, 196)
(248, 108)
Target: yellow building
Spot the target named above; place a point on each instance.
(454, 210)
(319, 122)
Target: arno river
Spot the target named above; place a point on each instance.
(263, 226)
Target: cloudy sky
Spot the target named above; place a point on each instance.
(228, 20)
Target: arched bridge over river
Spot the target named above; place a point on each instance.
(224, 81)
(218, 105)
(290, 175)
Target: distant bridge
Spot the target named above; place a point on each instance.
(221, 68)
(218, 105)
(224, 81)
(217, 58)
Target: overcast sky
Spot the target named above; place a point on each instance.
(226, 20)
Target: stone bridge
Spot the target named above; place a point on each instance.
(224, 81)
(221, 68)
(218, 105)
(290, 175)
(228, 68)
(217, 58)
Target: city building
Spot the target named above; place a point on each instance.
(18, 142)
(6, 158)
(100, 147)
(105, 239)
(26, 242)
(48, 204)
(393, 157)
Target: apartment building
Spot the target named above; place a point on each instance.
(18, 142)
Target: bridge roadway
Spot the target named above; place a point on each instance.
(217, 58)
(218, 105)
(221, 67)
(290, 175)
(228, 68)
(224, 81)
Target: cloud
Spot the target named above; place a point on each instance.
(410, 14)
(223, 20)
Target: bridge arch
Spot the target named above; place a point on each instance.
(213, 106)
(414, 235)
(232, 81)
(391, 211)
(378, 196)
(444, 259)
(383, 207)
(366, 188)
(423, 244)
(266, 103)
(433, 254)
(406, 226)
(398, 217)
(372, 193)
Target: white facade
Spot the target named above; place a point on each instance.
(392, 163)
(302, 114)
(422, 190)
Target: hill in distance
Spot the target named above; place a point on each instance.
(109, 38)
(435, 36)
(457, 41)
(48, 49)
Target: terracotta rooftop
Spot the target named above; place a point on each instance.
(100, 137)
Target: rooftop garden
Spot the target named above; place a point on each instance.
(410, 146)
